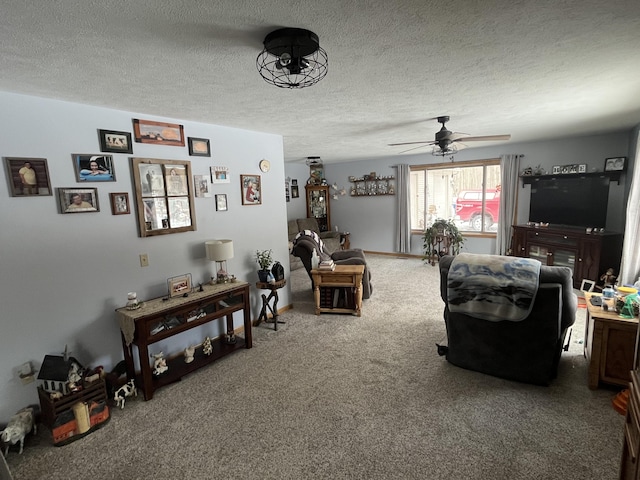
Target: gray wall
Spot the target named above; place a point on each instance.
(62, 276)
(371, 220)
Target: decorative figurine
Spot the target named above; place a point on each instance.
(207, 348)
(230, 338)
(159, 364)
(189, 353)
(609, 278)
(127, 390)
(17, 428)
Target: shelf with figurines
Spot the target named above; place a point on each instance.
(372, 185)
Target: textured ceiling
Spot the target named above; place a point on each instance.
(534, 69)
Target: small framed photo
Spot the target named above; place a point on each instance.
(179, 286)
(587, 285)
(90, 167)
(220, 174)
(221, 202)
(251, 189)
(160, 133)
(199, 147)
(615, 164)
(295, 193)
(557, 169)
(573, 168)
(120, 203)
(115, 142)
(28, 177)
(201, 185)
(582, 168)
(78, 200)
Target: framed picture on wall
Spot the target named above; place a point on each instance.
(221, 202)
(90, 167)
(615, 164)
(28, 177)
(199, 147)
(78, 200)
(160, 133)
(115, 142)
(295, 193)
(120, 203)
(251, 189)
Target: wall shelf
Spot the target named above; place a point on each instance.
(369, 186)
(531, 179)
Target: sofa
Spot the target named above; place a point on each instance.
(527, 350)
(304, 246)
(330, 239)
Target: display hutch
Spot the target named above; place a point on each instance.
(318, 206)
(588, 255)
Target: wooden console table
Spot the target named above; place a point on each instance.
(339, 290)
(609, 345)
(159, 319)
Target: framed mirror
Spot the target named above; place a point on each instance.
(164, 196)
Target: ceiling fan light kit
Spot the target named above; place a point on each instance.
(445, 142)
(292, 58)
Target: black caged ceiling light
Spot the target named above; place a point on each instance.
(292, 58)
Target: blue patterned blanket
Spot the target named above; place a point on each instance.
(492, 287)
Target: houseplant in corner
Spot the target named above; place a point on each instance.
(441, 238)
(264, 259)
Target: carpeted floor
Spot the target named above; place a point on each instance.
(342, 397)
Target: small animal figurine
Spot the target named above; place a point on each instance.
(159, 364)
(127, 390)
(17, 428)
(189, 353)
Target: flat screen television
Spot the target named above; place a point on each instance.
(575, 201)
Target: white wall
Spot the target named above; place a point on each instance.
(62, 276)
(297, 207)
(371, 220)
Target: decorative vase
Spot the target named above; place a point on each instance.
(263, 275)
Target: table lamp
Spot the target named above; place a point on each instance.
(219, 251)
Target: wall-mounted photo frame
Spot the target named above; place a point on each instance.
(582, 168)
(179, 286)
(159, 133)
(615, 164)
(112, 141)
(78, 200)
(120, 203)
(201, 186)
(199, 147)
(251, 189)
(221, 202)
(164, 196)
(28, 177)
(556, 170)
(91, 167)
(295, 193)
(220, 174)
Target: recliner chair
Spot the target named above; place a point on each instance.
(305, 244)
(528, 350)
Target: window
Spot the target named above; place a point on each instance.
(468, 193)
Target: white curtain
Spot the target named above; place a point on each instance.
(630, 266)
(509, 169)
(403, 226)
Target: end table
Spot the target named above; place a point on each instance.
(274, 287)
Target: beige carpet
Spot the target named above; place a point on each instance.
(342, 397)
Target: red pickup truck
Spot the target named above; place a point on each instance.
(469, 208)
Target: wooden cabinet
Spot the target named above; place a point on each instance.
(631, 442)
(339, 290)
(318, 205)
(587, 254)
(162, 318)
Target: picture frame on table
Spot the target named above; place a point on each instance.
(120, 203)
(615, 164)
(78, 200)
(91, 167)
(159, 133)
(112, 141)
(28, 177)
(179, 286)
(221, 202)
(199, 147)
(251, 189)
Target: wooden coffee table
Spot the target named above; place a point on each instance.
(609, 345)
(339, 290)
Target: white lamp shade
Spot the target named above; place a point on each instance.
(219, 250)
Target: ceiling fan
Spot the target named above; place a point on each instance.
(446, 140)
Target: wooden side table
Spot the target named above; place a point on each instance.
(339, 290)
(609, 345)
(274, 287)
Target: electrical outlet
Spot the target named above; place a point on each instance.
(144, 260)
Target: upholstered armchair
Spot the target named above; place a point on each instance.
(526, 350)
(305, 244)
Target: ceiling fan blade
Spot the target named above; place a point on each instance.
(487, 138)
(426, 142)
(414, 148)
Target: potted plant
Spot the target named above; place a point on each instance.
(264, 259)
(441, 238)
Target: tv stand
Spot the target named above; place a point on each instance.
(588, 255)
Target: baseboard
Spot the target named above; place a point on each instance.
(390, 254)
